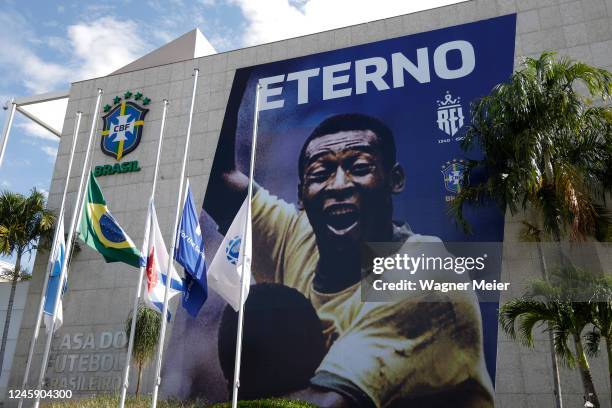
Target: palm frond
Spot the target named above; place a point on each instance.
(592, 341)
(24, 220)
(530, 232)
(567, 302)
(520, 316)
(546, 147)
(562, 349)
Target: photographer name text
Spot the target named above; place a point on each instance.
(432, 285)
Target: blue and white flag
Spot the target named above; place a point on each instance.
(190, 254)
(157, 264)
(225, 272)
(54, 280)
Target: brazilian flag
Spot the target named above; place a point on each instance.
(100, 231)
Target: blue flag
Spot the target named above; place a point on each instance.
(190, 254)
(54, 281)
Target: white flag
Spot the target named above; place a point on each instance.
(54, 277)
(157, 262)
(225, 269)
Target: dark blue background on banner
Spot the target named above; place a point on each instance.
(410, 112)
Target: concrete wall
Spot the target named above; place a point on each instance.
(16, 317)
(100, 294)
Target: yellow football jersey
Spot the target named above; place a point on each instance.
(397, 353)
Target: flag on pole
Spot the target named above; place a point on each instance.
(226, 267)
(54, 280)
(100, 231)
(190, 254)
(157, 262)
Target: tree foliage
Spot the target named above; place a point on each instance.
(546, 146)
(23, 221)
(146, 337)
(564, 305)
(560, 304)
(601, 316)
(601, 320)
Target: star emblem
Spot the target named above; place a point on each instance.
(117, 100)
(127, 95)
(137, 96)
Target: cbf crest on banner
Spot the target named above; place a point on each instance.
(123, 124)
(453, 175)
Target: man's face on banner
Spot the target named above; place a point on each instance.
(346, 189)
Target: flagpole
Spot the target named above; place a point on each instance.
(76, 215)
(7, 128)
(126, 372)
(243, 281)
(164, 319)
(43, 294)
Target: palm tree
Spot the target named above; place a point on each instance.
(546, 147)
(561, 303)
(24, 221)
(145, 339)
(601, 318)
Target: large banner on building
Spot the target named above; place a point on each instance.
(356, 145)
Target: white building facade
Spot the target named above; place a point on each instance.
(88, 351)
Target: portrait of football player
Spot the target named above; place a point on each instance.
(379, 354)
(336, 169)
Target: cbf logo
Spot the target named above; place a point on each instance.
(452, 172)
(232, 250)
(450, 115)
(123, 124)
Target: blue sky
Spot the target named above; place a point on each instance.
(46, 45)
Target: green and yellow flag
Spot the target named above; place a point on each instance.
(100, 231)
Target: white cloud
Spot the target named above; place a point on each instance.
(37, 75)
(18, 162)
(88, 49)
(50, 151)
(223, 42)
(37, 131)
(176, 18)
(100, 48)
(43, 190)
(57, 43)
(272, 20)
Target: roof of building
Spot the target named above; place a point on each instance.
(188, 46)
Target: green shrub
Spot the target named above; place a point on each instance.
(267, 403)
(111, 401)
